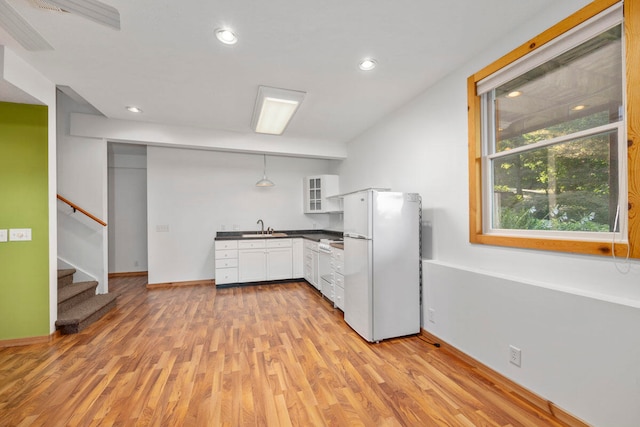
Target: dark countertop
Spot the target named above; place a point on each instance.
(314, 235)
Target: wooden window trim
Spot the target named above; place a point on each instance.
(632, 52)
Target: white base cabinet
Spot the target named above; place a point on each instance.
(298, 258)
(252, 265)
(279, 264)
(311, 273)
(257, 260)
(254, 260)
(226, 261)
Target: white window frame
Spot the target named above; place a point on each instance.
(605, 20)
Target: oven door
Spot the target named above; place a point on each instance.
(324, 270)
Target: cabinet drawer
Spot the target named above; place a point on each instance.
(311, 245)
(226, 244)
(226, 275)
(338, 281)
(337, 254)
(229, 253)
(339, 298)
(308, 274)
(226, 263)
(338, 266)
(279, 243)
(251, 244)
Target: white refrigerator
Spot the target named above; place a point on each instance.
(382, 264)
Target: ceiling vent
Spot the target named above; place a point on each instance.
(41, 4)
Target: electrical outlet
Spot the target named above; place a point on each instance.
(431, 315)
(3, 235)
(515, 355)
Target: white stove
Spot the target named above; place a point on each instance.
(324, 267)
(325, 245)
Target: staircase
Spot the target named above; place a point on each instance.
(78, 304)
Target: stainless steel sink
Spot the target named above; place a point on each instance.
(262, 236)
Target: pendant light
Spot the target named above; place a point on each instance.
(265, 182)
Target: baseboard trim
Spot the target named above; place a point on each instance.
(128, 274)
(509, 386)
(266, 282)
(26, 341)
(208, 282)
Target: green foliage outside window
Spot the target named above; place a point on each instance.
(563, 187)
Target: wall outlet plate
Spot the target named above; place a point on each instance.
(515, 355)
(3, 235)
(431, 315)
(19, 234)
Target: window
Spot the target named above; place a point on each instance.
(548, 158)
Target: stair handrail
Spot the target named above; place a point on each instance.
(78, 208)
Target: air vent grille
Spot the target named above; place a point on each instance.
(41, 4)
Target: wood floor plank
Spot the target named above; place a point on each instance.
(272, 355)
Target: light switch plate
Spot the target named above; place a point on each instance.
(19, 234)
(3, 235)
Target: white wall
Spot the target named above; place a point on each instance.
(575, 317)
(82, 179)
(197, 193)
(127, 211)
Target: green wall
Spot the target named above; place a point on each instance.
(24, 266)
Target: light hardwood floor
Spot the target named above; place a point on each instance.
(272, 355)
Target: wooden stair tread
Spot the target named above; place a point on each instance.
(85, 309)
(69, 291)
(66, 272)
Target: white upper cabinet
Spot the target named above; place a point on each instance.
(318, 192)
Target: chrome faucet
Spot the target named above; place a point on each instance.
(261, 226)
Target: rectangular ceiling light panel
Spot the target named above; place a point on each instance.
(274, 109)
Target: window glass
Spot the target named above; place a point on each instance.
(568, 186)
(552, 141)
(577, 90)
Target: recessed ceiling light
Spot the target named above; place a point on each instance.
(514, 94)
(579, 107)
(367, 64)
(133, 109)
(226, 36)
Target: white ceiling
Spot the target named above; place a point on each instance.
(166, 59)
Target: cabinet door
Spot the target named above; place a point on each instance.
(298, 259)
(317, 189)
(315, 273)
(309, 265)
(252, 265)
(279, 264)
